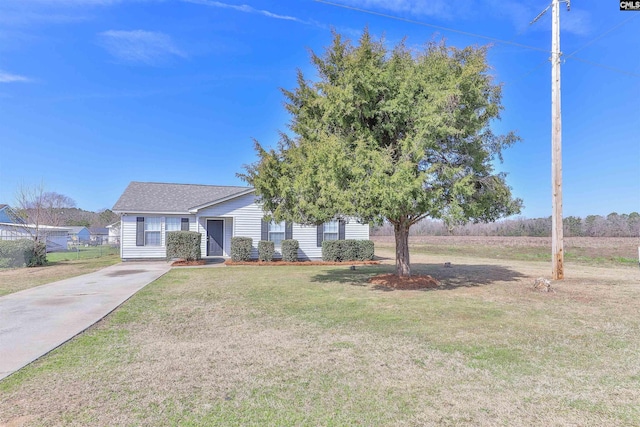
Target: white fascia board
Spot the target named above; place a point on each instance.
(150, 213)
(224, 199)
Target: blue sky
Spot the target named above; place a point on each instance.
(97, 93)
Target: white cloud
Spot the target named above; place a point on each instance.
(140, 47)
(519, 13)
(417, 8)
(12, 78)
(246, 9)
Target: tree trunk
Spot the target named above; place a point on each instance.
(401, 231)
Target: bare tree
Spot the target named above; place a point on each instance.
(37, 208)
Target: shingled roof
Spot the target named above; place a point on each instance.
(173, 198)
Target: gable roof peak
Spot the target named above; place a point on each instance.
(164, 197)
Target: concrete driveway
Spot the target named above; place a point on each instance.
(35, 321)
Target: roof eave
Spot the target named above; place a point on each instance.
(134, 211)
(195, 209)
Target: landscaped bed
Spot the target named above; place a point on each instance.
(300, 263)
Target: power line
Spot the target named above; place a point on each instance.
(615, 27)
(606, 67)
(590, 42)
(507, 42)
(438, 27)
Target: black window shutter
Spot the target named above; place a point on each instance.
(288, 230)
(184, 224)
(140, 231)
(264, 235)
(320, 231)
(341, 230)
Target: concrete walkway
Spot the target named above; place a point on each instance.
(35, 321)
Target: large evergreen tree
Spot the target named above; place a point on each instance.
(391, 135)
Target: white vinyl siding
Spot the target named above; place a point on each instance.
(242, 217)
(354, 230)
(128, 247)
(307, 237)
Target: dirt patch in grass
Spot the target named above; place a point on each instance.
(415, 282)
(299, 263)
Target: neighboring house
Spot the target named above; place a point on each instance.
(148, 210)
(12, 227)
(114, 233)
(9, 216)
(79, 234)
(56, 237)
(99, 235)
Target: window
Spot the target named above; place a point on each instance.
(330, 230)
(152, 231)
(172, 224)
(176, 224)
(276, 232)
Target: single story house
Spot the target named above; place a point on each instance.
(79, 234)
(114, 233)
(55, 237)
(149, 209)
(98, 235)
(9, 216)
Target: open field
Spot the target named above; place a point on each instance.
(583, 250)
(17, 279)
(273, 346)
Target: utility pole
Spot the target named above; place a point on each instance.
(557, 238)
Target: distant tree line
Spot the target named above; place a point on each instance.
(80, 217)
(36, 206)
(612, 225)
(74, 217)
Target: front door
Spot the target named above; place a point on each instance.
(215, 237)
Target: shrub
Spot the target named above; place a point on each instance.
(241, 248)
(23, 252)
(184, 245)
(266, 249)
(366, 250)
(349, 250)
(332, 250)
(39, 255)
(290, 250)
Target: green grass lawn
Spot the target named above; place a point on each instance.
(82, 252)
(276, 346)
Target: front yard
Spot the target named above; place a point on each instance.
(278, 346)
(61, 265)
